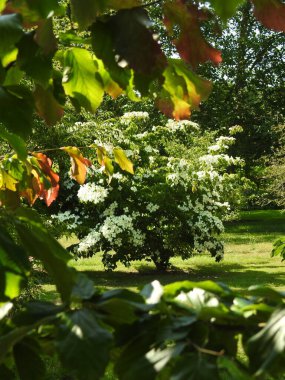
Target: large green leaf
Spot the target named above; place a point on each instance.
(14, 267)
(19, 100)
(54, 257)
(266, 349)
(83, 345)
(80, 81)
(103, 46)
(16, 142)
(35, 11)
(149, 365)
(228, 369)
(34, 311)
(10, 31)
(118, 42)
(40, 244)
(2, 5)
(85, 12)
(195, 367)
(29, 363)
(8, 340)
(33, 61)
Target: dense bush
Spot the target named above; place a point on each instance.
(174, 204)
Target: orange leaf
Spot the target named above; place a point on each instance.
(79, 164)
(182, 91)
(49, 194)
(191, 45)
(271, 13)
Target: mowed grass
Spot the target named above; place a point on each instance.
(247, 261)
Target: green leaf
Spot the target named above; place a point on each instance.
(35, 11)
(11, 31)
(2, 5)
(83, 345)
(278, 249)
(70, 284)
(41, 245)
(14, 267)
(29, 363)
(80, 81)
(34, 311)
(6, 373)
(135, 364)
(17, 143)
(267, 293)
(85, 12)
(120, 306)
(228, 369)
(13, 76)
(19, 100)
(226, 9)
(33, 61)
(266, 348)
(194, 367)
(103, 46)
(123, 161)
(8, 340)
(118, 40)
(171, 290)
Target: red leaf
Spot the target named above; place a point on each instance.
(79, 163)
(51, 193)
(191, 45)
(271, 13)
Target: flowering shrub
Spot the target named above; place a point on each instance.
(174, 204)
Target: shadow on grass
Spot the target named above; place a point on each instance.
(235, 275)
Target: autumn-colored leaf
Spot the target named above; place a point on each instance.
(51, 193)
(182, 91)
(191, 45)
(123, 161)
(105, 161)
(7, 181)
(47, 106)
(271, 13)
(45, 37)
(79, 164)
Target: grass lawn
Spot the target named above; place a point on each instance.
(248, 243)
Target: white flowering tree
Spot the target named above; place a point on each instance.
(174, 203)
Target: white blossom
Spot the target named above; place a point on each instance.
(90, 192)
